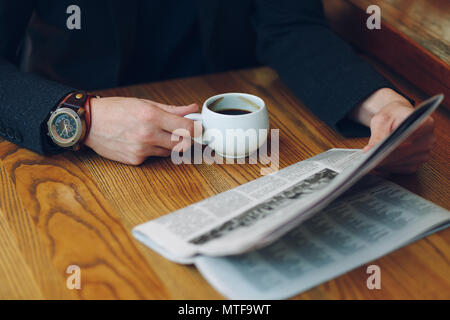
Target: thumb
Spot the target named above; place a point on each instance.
(379, 129)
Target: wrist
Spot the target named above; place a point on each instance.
(374, 103)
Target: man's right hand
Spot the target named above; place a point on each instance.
(129, 130)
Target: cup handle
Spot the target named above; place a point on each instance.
(196, 117)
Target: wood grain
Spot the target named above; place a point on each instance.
(17, 281)
(78, 227)
(414, 39)
(79, 208)
(29, 242)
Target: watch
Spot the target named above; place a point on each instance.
(69, 123)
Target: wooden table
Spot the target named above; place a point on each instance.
(79, 209)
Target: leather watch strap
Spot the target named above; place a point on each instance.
(76, 100)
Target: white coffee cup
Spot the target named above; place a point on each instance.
(233, 135)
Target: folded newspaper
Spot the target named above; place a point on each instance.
(283, 233)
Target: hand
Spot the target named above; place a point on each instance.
(386, 110)
(129, 130)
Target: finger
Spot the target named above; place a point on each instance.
(158, 152)
(171, 122)
(404, 169)
(179, 110)
(164, 139)
(416, 159)
(379, 129)
(168, 141)
(427, 127)
(183, 145)
(421, 146)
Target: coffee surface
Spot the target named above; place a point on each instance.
(233, 111)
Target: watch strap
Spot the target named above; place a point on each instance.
(75, 100)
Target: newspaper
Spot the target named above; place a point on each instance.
(369, 221)
(244, 214)
(260, 212)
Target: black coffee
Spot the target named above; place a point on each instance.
(233, 112)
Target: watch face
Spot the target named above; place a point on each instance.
(64, 127)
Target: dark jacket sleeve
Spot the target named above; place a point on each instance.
(318, 66)
(25, 99)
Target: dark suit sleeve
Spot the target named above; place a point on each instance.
(319, 67)
(25, 99)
